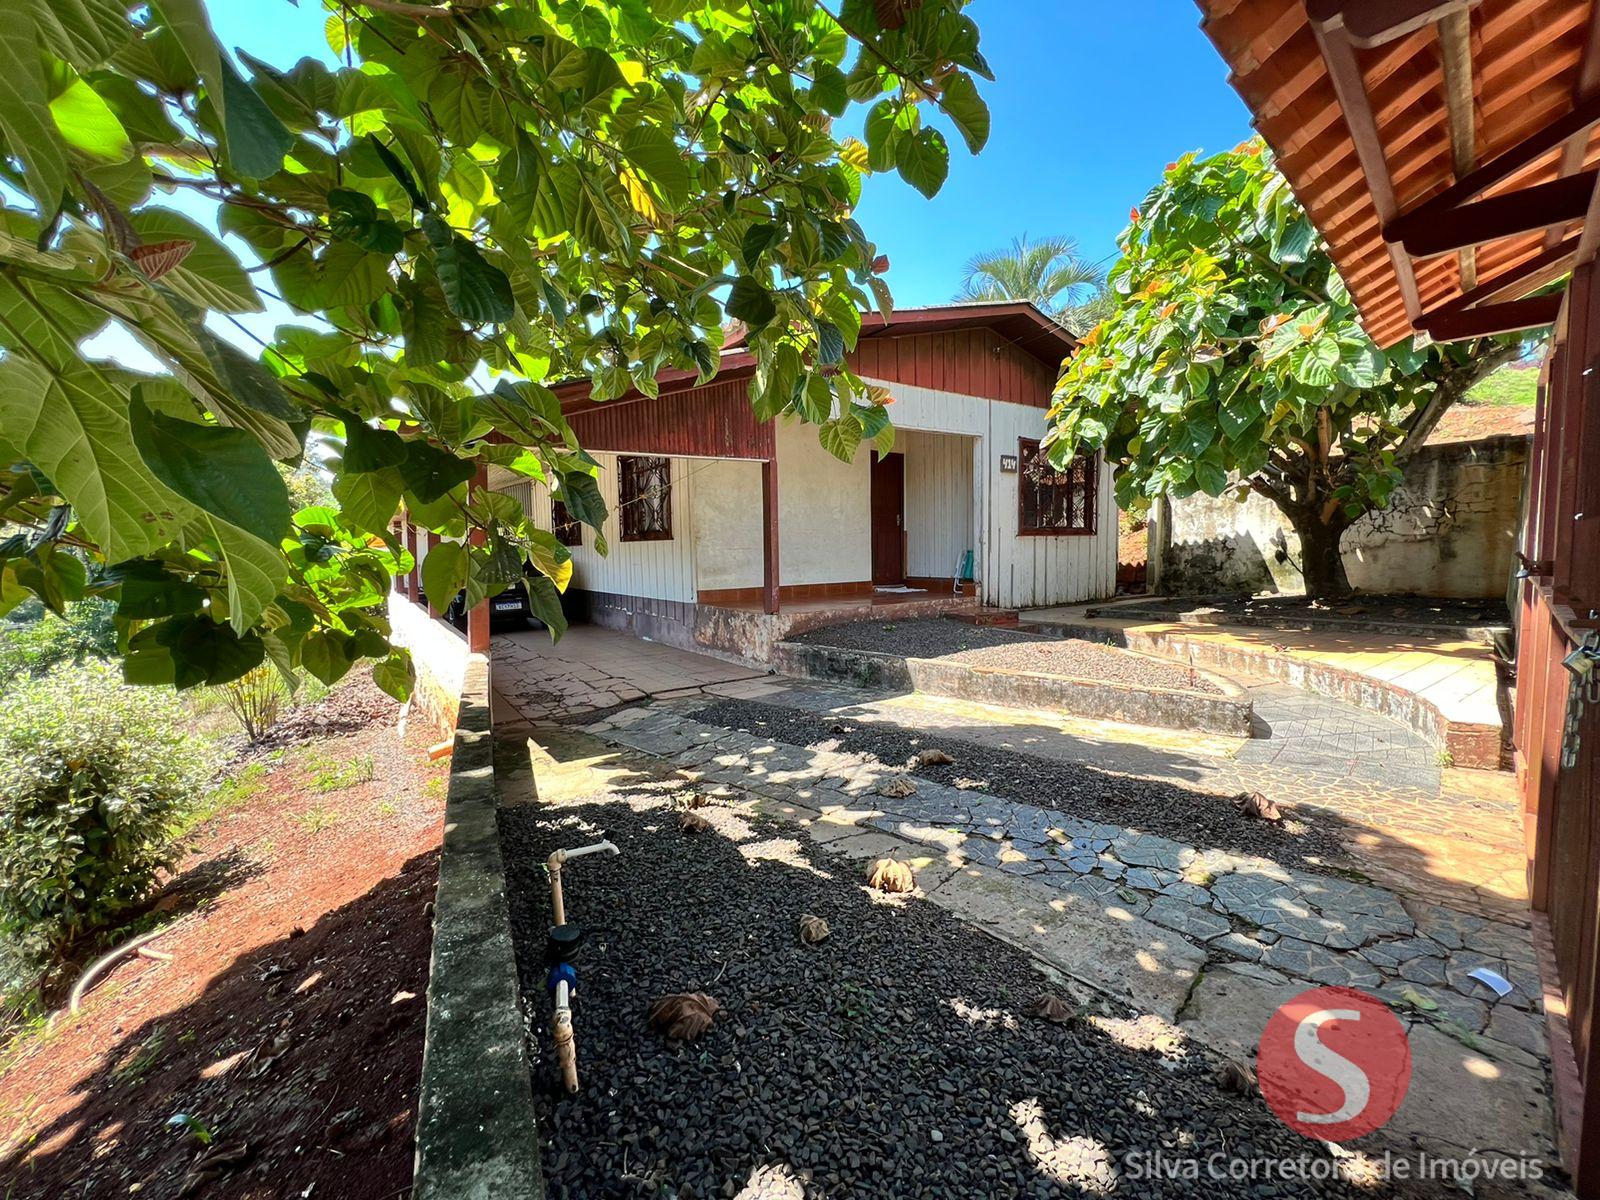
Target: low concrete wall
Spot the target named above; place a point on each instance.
(476, 1134)
(439, 652)
(1449, 530)
(1469, 744)
(1165, 708)
(755, 636)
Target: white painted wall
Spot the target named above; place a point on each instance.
(939, 501)
(661, 570)
(1014, 572)
(824, 510)
(727, 523)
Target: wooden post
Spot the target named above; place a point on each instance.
(478, 615)
(433, 607)
(408, 542)
(769, 536)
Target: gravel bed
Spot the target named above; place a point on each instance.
(892, 1060)
(1204, 820)
(988, 646)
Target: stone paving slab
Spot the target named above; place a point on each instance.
(1317, 928)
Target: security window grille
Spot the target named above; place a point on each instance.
(644, 496)
(1053, 502)
(568, 530)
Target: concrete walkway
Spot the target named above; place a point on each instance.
(1444, 686)
(1206, 939)
(592, 669)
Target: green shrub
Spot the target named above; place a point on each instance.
(33, 640)
(95, 779)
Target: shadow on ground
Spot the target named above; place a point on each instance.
(300, 1059)
(894, 1059)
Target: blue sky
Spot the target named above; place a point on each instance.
(1091, 100)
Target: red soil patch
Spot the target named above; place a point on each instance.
(289, 1022)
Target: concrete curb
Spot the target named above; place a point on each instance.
(476, 1135)
(1165, 708)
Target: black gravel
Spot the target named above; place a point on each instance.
(991, 646)
(853, 1068)
(1205, 820)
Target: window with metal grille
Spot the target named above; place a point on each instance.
(644, 499)
(567, 528)
(1052, 502)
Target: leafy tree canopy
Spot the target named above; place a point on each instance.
(1236, 359)
(483, 199)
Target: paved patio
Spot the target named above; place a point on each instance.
(592, 669)
(1423, 882)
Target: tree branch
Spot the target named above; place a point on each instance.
(1446, 393)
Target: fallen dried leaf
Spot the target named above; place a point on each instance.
(897, 787)
(692, 822)
(890, 875)
(933, 758)
(1054, 1009)
(1254, 804)
(812, 929)
(683, 1016)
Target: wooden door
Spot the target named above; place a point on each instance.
(888, 518)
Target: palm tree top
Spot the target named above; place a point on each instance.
(1050, 272)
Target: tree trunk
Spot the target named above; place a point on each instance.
(1321, 562)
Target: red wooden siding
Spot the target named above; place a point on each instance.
(970, 362)
(715, 421)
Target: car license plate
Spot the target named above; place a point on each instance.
(507, 606)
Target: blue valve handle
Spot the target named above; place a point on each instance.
(560, 972)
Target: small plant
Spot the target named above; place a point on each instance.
(192, 1126)
(387, 808)
(256, 699)
(315, 820)
(96, 779)
(331, 775)
(1445, 758)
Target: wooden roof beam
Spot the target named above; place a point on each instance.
(1506, 164)
(1369, 23)
(1351, 90)
(1515, 282)
(1559, 202)
(1455, 46)
(1510, 317)
(1586, 88)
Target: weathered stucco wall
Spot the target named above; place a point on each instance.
(824, 510)
(1448, 531)
(727, 524)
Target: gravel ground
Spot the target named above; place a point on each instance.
(1201, 819)
(993, 647)
(891, 1060)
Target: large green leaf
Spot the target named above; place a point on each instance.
(840, 437)
(924, 161)
(85, 33)
(369, 501)
(257, 140)
(86, 121)
(430, 472)
(209, 276)
(30, 131)
(476, 289)
(961, 102)
(749, 301)
(396, 675)
(444, 573)
(223, 471)
(660, 160)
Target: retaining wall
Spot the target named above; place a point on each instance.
(1166, 708)
(476, 1134)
